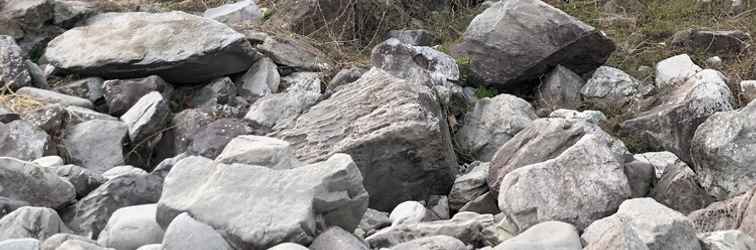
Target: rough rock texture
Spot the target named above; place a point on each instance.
(120, 95)
(418, 37)
(78, 115)
(727, 240)
(735, 213)
(90, 88)
(748, 90)
(592, 116)
(675, 70)
(439, 242)
(200, 49)
(221, 91)
(337, 238)
(69, 13)
(90, 214)
(53, 242)
(612, 89)
(469, 186)
(371, 221)
(680, 190)
(470, 228)
(720, 42)
(560, 89)
(261, 79)
(515, 41)
(245, 11)
(583, 182)
(491, 123)
(75, 244)
(185, 126)
(185, 233)
(209, 141)
(622, 236)
(52, 97)
(49, 118)
(294, 54)
(724, 151)
(147, 117)
(659, 227)
(346, 76)
(38, 186)
(259, 151)
(671, 124)
(131, 227)
(264, 206)
(83, 180)
(13, 71)
(96, 145)
(31, 222)
(545, 235)
(282, 109)
(394, 130)
(22, 140)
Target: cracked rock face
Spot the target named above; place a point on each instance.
(36, 185)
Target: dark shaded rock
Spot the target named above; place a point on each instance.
(210, 140)
(120, 95)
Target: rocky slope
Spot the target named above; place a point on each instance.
(239, 128)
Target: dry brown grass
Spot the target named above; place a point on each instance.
(18, 103)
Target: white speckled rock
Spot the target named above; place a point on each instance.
(675, 70)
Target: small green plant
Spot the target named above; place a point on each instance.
(485, 91)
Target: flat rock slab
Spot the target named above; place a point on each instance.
(179, 47)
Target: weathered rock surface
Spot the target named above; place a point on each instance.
(31, 222)
(491, 123)
(418, 37)
(185, 233)
(121, 95)
(393, 129)
(680, 190)
(675, 70)
(53, 242)
(52, 97)
(408, 212)
(560, 89)
(20, 244)
(371, 221)
(337, 238)
(96, 145)
(245, 11)
(147, 117)
(620, 237)
(468, 227)
(200, 49)
(280, 205)
(68, 13)
(282, 109)
(36, 185)
(131, 227)
(469, 186)
(724, 151)
(259, 151)
(612, 89)
(719, 42)
(748, 90)
(83, 180)
(727, 240)
(516, 41)
(221, 91)
(671, 124)
(294, 54)
(545, 235)
(261, 79)
(185, 126)
(13, 71)
(210, 140)
(439, 242)
(659, 227)
(734, 213)
(23, 141)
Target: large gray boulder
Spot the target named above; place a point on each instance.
(96, 145)
(395, 131)
(131, 227)
(659, 227)
(675, 70)
(738, 213)
(612, 89)
(679, 189)
(13, 71)
(198, 49)
(91, 214)
(514, 41)
(469, 186)
(491, 123)
(723, 151)
(545, 235)
(23, 141)
(727, 240)
(36, 185)
(560, 89)
(120, 95)
(31, 222)
(582, 181)
(185, 233)
(671, 125)
(470, 228)
(261, 207)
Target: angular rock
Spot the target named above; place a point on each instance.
(147, 117)
(718, 42)
(591, 116)
(13, 71)
(200, 49)
(280, 205)
(49, 118)
(734, 213)
(680, 190)
(727, 240)
(612, 89)
(538, 192)
(659, 161)
(31, 13)
(560, 89)
(96, 145)
(337, 238)
(623, 237)
(83, 180)
(439, 242)
(185, 233)
(39, 186)
(22, 140)
(7, 116)
(260, 80)
(31, 222)
(122, 170)
(69, 13)
(20, 244)
(282, 109)
(748, 90)
(185, 126)
(90, 214)
(245, 11)
(394, 130)
(49, 161)
(468, 227)
(671, 124)
(408, 212)
(545, 235)
(90, 88)
(121, 95)
(259, 151)
(345, 76)
(675, 70)
(294, 54)
(418, 37)
(512, 42)
(131, 227)
(209, 141)
(723, 151)
(659, 227)
(221, 91)
(469, 186)
(483, 204)
(52, 97)
(78, 115)
(9, 205)
(38, 78)
(641, 176)
(371, 221)
(491, 123)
